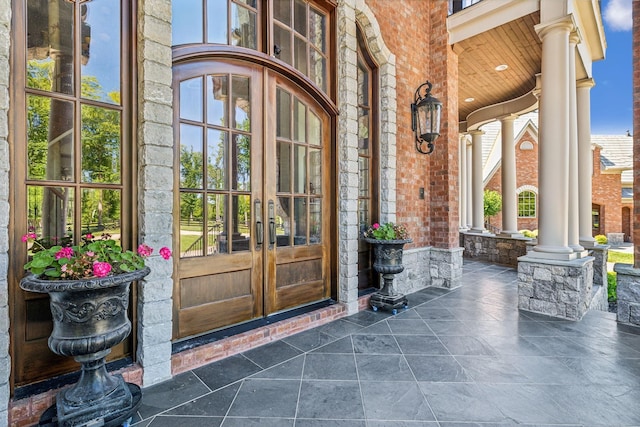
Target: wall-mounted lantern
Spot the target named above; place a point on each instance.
(425, 118)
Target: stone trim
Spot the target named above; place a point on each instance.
(155, 186)
(5, 360)
(350, 12)
(522, 188)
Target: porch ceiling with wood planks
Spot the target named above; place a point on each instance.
(514, 44)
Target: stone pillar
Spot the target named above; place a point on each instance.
(628, 290)
(509, 197)
(585, 162)
(636, 132)
(155, 187)
(477, 226)
(553, 164)
(469, 157)
(574, 199)
(463, 182)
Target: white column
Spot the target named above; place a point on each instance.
(509, 198)
(477, 226)
(469, 147)
(585, 161)
(553, 145)
(462, 168)
(574, 204)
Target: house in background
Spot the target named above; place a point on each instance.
(612, 178)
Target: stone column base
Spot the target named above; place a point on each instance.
(555, 288)
(446, 267)
(600, 253)
(628, 290)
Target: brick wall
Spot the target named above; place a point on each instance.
(434, 220)
(606, 192)
(636, 130)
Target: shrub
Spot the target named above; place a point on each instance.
(601, 239)
(612, 284)
(528, 233)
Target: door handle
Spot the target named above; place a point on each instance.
(259, 225)
(272, 224)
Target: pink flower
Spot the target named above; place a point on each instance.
(101, 269)
(63, 267)
(25, 238)
(165, 253)
(90, 254)
(89, 236)
(64, 253)
(144, 250)
(375, 226)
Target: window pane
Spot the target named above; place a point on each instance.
(50, 29)
(101, 212)
(301, 55)
(243, 27)
(241, 237)
(363, 84)
(100, 145)
(250, 3)
(315, 218)
(315, 171)
(216, 21)
(191, 99)
(49, 138)
(283, 221)
(283, 119)
(363, 131)
(318, 71)
(217, 224)
(283, 167)
(282, 40)
(241, 103)
(317, 30)
(363, 177)
(299, 121)
(300, 17)
(300, 169)
(217, 95)
(216, 159)
(241, 163)
(190, 156)
(191, 225)
(50, 213)
(282, 11)
(364, 214)
(314, 130)
(186, 22)
(100, 44)
(300, 210)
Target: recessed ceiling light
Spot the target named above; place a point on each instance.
(501, 67)
(469, 99)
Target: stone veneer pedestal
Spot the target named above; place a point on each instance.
(555, 288)
(628, 294)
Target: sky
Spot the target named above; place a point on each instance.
(611, 98)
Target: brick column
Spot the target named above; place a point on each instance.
(5, 360)
(155, 186)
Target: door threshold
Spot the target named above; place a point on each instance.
(210, 337)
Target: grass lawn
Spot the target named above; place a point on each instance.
(622, 257)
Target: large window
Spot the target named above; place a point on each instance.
(527, 204)
(297, 31)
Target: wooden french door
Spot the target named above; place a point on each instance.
(252, 154)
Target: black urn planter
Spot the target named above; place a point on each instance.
(387, 260)
(89, 318)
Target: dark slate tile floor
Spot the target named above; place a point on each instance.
(459, 358)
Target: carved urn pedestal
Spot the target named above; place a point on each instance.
(387, 260)
(90, 317)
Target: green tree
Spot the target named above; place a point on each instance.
(492, 204)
